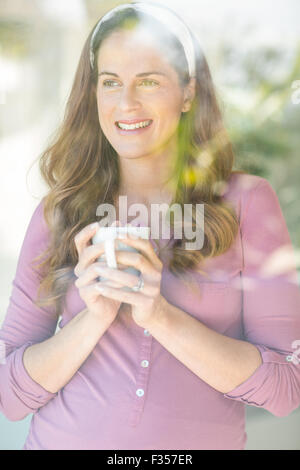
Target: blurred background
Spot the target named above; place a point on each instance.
(253, 49)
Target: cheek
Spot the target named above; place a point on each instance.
(105, 111)
(168, 102)
(105, 101)
(170, 117)
(171, 106)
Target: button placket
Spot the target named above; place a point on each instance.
(142, 380)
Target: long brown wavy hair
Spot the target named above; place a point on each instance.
(81, 168)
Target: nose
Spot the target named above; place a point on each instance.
(128, 99)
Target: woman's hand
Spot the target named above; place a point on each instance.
(87, 275)
(147, 303)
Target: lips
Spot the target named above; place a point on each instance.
(133, 128)
(133, 121)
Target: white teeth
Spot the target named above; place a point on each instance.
(133, 126)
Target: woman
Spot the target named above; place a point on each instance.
(161, 367)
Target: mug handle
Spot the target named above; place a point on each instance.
(109, 246)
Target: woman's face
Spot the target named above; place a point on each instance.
(136, 83)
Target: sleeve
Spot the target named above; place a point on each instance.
(271, 305)
(25, 324)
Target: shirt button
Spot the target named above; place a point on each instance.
(140, 392)
(145, 363)
(146, 332)
(289, 358)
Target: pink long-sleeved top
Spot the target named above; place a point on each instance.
(131, 393)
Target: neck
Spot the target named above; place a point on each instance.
(148, 178)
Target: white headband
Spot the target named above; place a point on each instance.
(166, 16)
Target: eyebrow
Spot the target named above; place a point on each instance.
(143, 74)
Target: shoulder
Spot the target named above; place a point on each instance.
(243, 184)
(244, 190)
(37, 232)
(37, 219)
(35, 242)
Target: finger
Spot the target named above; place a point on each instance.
(146, 249)
(152, 277)
(135, 260)
(95, 250)
(144, 246)
(82, 238)
(133, 298)
(108, 282)
(91, 254)
(91, 274)
(90, 290)
(123, 278)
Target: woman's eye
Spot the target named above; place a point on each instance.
(108, 83)
(150, 81)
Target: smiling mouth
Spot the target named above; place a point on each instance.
(132, 127)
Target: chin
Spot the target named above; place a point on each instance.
(132, 154)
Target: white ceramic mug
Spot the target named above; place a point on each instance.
(108, 235)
